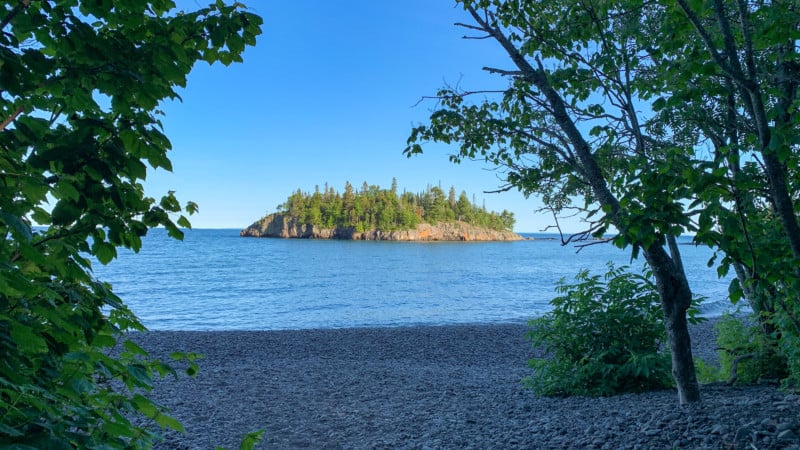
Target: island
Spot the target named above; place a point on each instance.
(372, 213)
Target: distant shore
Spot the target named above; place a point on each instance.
(431, 386)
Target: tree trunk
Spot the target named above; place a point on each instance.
(676, 298)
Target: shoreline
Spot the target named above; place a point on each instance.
(445, 386)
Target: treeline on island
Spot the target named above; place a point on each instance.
(385, 209)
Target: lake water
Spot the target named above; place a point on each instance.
(216, 280)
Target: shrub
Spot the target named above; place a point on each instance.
(707, 373)
(604, 336)
(69, 378)
(756, 355)
(790, 346)
(786, 320)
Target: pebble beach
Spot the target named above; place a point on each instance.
(436, 387)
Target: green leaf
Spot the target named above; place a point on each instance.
(65, 190)
(18, 225)
(251, 439)
(173, 231)
(64, 213)
(140, 375)
(192, 208)
(13, 432)
(184, 222)
(165, 421)
(27, 339)
(134, 348)
(104, 251)
(145, 406)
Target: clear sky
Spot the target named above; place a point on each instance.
(329, 94)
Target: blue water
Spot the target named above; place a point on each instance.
(216, 280)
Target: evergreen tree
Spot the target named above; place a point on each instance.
(382, 209)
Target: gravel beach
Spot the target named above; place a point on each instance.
(455, 386)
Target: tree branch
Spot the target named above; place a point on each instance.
(476, 38)
(469, 26)
(500, 190)
(735, 365)
(538, 78)
(706, 38)
(11, 118)
(675, 252)
(514, 73)
(592, 242)
(747, 34)
(581, 236)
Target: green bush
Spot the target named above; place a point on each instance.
(790, 346)
(604, 336)
(707, 373)
(758, 354)
(69, 378)
(785, 320)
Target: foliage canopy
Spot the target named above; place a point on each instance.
(80, 84)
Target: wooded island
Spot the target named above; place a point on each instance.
(384, 214)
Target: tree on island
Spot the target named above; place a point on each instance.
(79, 126)
(373, 208)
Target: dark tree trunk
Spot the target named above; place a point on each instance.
(676, 298)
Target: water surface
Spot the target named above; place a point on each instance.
(216, 280)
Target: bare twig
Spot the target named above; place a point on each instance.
(469, 26)
(589, 243)
(457, 94)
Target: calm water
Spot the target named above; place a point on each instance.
(216, 280)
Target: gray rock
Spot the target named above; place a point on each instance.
(787, 435)
(719, 429)
(743, 436)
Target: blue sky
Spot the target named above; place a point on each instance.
(328, 95)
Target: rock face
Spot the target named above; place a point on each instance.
(279, 225)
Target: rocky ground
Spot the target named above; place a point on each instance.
(437, 387)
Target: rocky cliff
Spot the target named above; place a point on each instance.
(279, 225)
